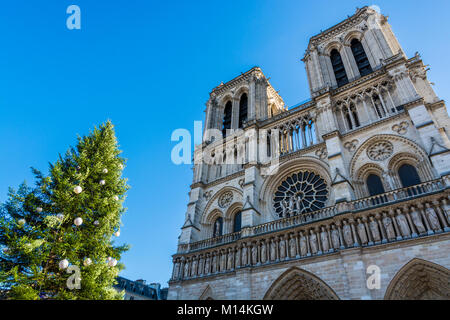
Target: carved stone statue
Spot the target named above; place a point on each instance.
(263, 252)
(223, 261)
(273, 252)
(417, 220)
(291, 206)
(292, 249)
(238, 257)
(194, 268)
(432, 217)
(303, 245)
(282, 249)
(254, 253)
(284, 208)
(298, 204)
(348, 237)
(403, 224)
(313, 242)
(214, 263)
(176, 270)
(244, 255)
(324, 239)
(201, 265)
(207, 264)
(230, 261)
(335, 237)
(362, 232)
(186, 269)
(387, 223)
(373, 224)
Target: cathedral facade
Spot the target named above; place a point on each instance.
(345, 196)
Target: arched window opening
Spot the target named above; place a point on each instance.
(375, 185)
(227, 118)
(237, 223)
(338, 68)
(376, 188)
(243, 110)
(269, 146)
(218, 226)
(349, 120)
(355, 115)
(361, 58)
(409, 177)
(378, 106)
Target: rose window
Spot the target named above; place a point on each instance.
(301, 192)
(380, 151)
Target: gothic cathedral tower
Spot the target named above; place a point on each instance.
(307, 202)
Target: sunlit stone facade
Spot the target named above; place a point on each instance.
(311, 201)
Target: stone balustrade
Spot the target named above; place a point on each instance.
(403, 214)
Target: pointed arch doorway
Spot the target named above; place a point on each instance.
(298, 284)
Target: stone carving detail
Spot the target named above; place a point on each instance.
(207, 195)
(374, 229)
(303, 245)
(403, 224)
(324, 239)
(351, 145)
(292, 249)
(432, 218)
(313, 242)
(335, 237)
(226, 199)
(362, 232)
(380, 150)
(401, 128)
(348, 237)
(387, 222)
(322, 153)
(302, 192)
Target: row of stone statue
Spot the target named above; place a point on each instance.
(393, 225)
(294, 206)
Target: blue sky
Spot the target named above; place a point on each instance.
(149, 67)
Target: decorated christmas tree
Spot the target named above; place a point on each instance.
(57, 239)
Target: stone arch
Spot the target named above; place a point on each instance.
(229, 215)
(298, 284)
(207, 294)
(420, 280)
(362, 175)
(399, 142)
(331, 46)
(421, 164)
(353, 34)
(278, 174)
(240, 91)
(212, 203)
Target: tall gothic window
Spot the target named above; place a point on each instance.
(408, 176)
(355, 115)
(378, 106)
(217, 227)
(338, 68)
(243, 109)
(375, 185)
(361, 58)
(237, 222)
(227, 118)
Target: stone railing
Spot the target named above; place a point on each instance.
(404, 215)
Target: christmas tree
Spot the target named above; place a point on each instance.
(57, 239)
